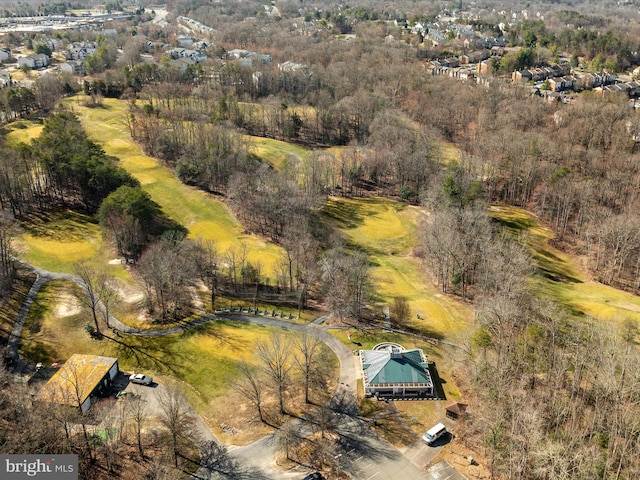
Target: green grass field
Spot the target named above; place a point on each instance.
(560, 276)
(277, 153)
(204, 215)
(387, 231)
(203, 360)
(204, 357)
(22, 131)
(60, 239)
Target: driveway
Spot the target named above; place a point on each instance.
(363, 455)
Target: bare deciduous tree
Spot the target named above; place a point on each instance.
(176, 417)
(251, 386)
(307, 347)
(275, 355)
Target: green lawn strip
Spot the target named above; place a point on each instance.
(560, 277)
(276, 152)
(22, 131)
(203, 359)
(61, 239)
(204, 215)
(387, 231)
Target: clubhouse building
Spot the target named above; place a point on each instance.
(390, 371)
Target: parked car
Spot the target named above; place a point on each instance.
(141, 379)
(434, 433)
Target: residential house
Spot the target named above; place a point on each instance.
(237, 53)
(38, 60)
(80, 51)
(182, 63)
(418, 28)
(473, 57)
(193, 55)
(558, 84)
(185, 41)
(195, 26)
(484, 67)
(634, 89)
(202, 46)
(5, 55)
(615, 88)
(495, 42)
(80, 382)
(390, 371)
(291, 67)
(74, 67)
(436, 37)
(521, 76)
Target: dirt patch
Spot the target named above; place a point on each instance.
(129, 294)
(67, 306)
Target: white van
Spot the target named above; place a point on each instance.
(434, 433)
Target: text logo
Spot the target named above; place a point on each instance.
(49, 467)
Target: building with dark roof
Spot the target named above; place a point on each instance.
(390, 371)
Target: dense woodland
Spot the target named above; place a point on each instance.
(555, 394)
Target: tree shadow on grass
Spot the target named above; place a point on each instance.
(346, 214)
(67, 225)
(157, 353)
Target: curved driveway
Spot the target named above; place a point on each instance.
(368, 455)
(348, 375)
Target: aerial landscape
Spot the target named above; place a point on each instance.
(320, 239)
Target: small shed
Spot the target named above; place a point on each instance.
(80, 381)
(455, 410)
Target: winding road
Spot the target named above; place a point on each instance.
(364, 453)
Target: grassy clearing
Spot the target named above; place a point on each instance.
(22, 131)
(204, 215)
(57, 241)
(204, 359)
(449, 152)
(277, 153)
(560, 276)
(387, 231)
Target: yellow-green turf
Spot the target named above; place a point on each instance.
(61, 239)
(387, 231)
(22, 131)
(276, 152)
(203, 214)
(203, 360)
(204, 357)
(561, 278)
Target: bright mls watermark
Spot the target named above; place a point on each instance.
(49, 467)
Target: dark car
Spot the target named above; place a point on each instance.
(314, 476)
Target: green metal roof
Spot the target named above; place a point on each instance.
(382, 367)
